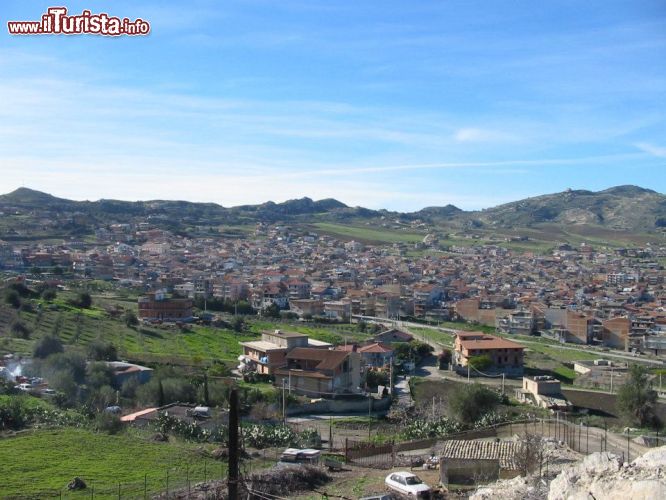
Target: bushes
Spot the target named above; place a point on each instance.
(266, 436)
(108, 422)
(17, 412)
(166, 424)
(19, 329)
(46, 346)
(422, 429)
(12, 298)
(102, 351)
(470, 403)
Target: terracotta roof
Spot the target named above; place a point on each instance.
(375, 348)
(482, 341)
(328, 360)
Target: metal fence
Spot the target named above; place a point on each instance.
(578, 436)
(163, 483)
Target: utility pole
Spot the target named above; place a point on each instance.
(391, 376)
(468, 380)
(503, 383)
(284, 407)
(232, 482)
(611, 385)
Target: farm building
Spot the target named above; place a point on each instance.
(463, 461)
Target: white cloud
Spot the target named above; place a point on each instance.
(482, 135)
(658, 151)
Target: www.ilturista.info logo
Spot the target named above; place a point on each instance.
(56, 22)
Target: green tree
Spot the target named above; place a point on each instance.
(46, 346)
(102, 351)
(480, 362)
(636, 399)
(19, 329)
(130, 318)
(12, 298)
(84, 300)
(471, 402)
(272, 311)
(238, 324)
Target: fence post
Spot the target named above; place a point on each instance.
(205, 471)
(145, 486)
(167, 483)
(187, 476)
(628, 456)
(118, 491)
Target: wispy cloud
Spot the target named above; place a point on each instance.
(658, 151)
(483, 135)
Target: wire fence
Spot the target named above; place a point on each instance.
(576, 435)
(162, 482)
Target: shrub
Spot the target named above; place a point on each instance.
(19, 329)
(12, 298)
(469, 403)
(102, 351)
(108, 422)
(46, 346)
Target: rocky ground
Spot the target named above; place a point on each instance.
(597, 476)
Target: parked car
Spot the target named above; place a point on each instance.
(408, 484)
(24, 387)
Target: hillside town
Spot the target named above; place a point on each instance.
(585, 294)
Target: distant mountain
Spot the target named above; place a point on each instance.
(621, 208)
(445, 211)
(29, 197)
(626, 208)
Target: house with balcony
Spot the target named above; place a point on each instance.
(320, 372)
(266, 355)
(376, 355)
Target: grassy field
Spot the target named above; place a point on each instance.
(369, 234)
(39, 464)
(147, 344)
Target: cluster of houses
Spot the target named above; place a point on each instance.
(314, 368)
(612, 297)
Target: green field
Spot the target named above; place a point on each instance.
(149, 344)
(39, 464)
(369, 234)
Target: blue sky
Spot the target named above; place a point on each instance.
(384, 104)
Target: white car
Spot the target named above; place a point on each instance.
(408, 484)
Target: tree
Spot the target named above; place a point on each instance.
(84, 300)
(480, 362)
(636, 399)
(19, 329)
(49, 294)
(12, 298)
(238, 324)
(102, 351)
(529, 453)
(272, 311)
(46, 346)
(471, 402)
(130, 318)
